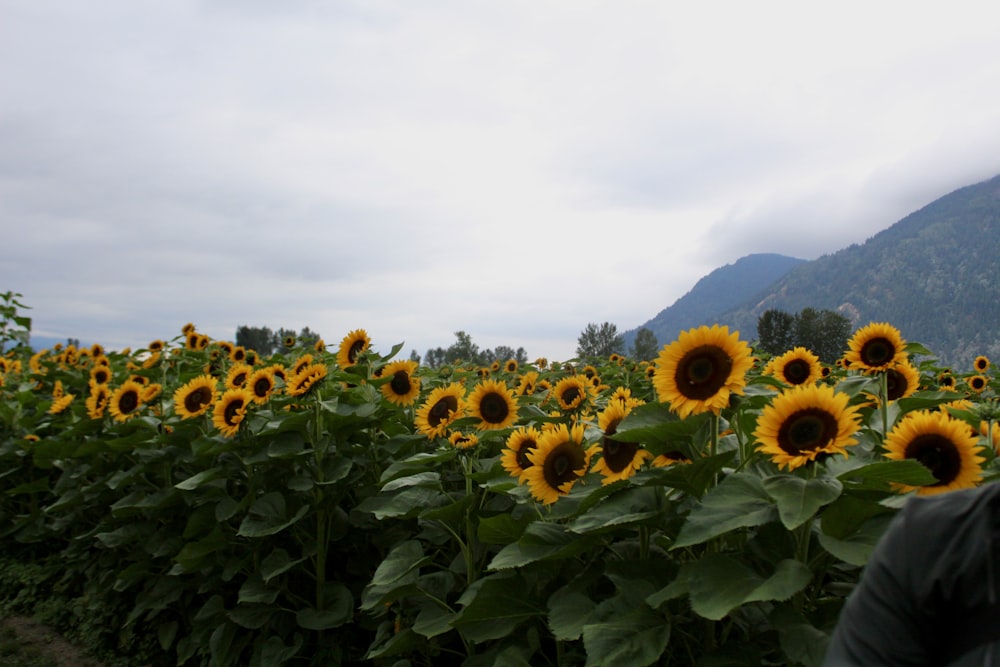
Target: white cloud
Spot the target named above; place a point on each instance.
(515, 170)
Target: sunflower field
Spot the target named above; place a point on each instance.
(192, 503)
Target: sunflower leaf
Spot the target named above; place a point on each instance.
(739, 501)
(628, 506)
(858, 546)
(540, 541)
(879, 475)
(799, 499)
(720, 583)
(498, 605)
(625, 632)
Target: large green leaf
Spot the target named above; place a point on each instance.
(881, 474)
(408, 502)
(624, 631)
(268, 515)
(540, 541)
(719, 583)
(569, 611)
(799, 499)
(739, 501)
(433, 620)
(398, 570)
(495, 606)
(692, 478)
(628, 506)
(856, 547)
(338, 609)
(501, 529)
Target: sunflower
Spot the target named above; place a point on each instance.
(558, 462)
(403, 387)
(319, 345)
(195, 397)
(495, 366)
(511, 366)
(443, 406)
(97, 400)
(519, 444)
(261, 385)
(619, 460)
(352, 345)
(944, 445)
(669, 458)
(527, 384)
(697, 372)
(875, 347)
(187, 328)
(804, 422)
(126, 400)
(238, 354)
(230, 410)
(238, 375)
(901, 381)
(156, 345)
(57, 390)
(61, 403)
(461, 440)
(981, 364)
(797, 366)
(494, 404)
(571, 392)
(151, 391)
(299, 364)
(946, 380)
(300, 383)
(589, 371)
(977, 383)
(991, 431)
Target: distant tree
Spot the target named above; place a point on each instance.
(414, 356)
(281, 336)
(308, 337)
(600, 341)
(776, 331)
(825, 332)
(645, 347)
(502, 353)
(435, 357)
(465, 351)
(260, 339)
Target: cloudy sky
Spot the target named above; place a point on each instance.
(509, 168)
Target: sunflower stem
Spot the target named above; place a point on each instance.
(883, 390)
(469, 546)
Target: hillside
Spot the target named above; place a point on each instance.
(723, 289)
(934, 275)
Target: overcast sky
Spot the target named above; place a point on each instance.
(512, 169)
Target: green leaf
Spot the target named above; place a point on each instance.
(569, 610)
(692, 478)
(798, 499)
(628, 506)
(625, 632)
(433, 620)
(719, 583)
(276, 563)
(286, 444)
(268, 515)
(495, 606)
(339, 611)
(739, 501)
(801, 642)
(254, 590)
(193, 482)
(881, 474)
(501, 529)
(399, 570)
(858, 546)
(846, 514)
(540, 541)
(432, 479)
(274, 651)
(417, 463)
(252, 617)
(407, 503)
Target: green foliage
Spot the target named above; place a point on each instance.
(645, 347)
(599, 340)
(15, 328)
(465, 351)
(330, 529)
(823, 332)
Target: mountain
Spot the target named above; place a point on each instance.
(934, 275)
(722, 290)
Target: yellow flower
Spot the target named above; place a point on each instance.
(443, 406)
(461, 440)
(981, 364)
(797, 366)
(300, 383)
(195, 397)
(520, 443)
(944, 445)
(230, 411)
(126, 400)
(352, 345)
(875, 347)
(261, 384)
(494, 404)
(403, 387)
(61, 403)
(697, 372)
(97, 401)
(238, 375)
(571, 392)
(805, 422)
(559, 461)
(619, 460)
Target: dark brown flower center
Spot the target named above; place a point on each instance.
(617, 455)
(400, 383)
(232, 411)
(895, 384)
(938, 454)
(440, 410)
(702, 372)
(570, 395)
(806, 430)
(523, 461)
(562, 464)
(197, 399)
(796, 371)
(494, 408)
(357, 347)
(877, 352)
(262, 387)
(240, 379)
(128, 401)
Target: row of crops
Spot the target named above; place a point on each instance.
(193, 503)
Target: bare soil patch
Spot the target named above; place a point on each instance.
(48, 642)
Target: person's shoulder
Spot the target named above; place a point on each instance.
(952, 505)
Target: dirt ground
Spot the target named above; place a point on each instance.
(48, 642)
